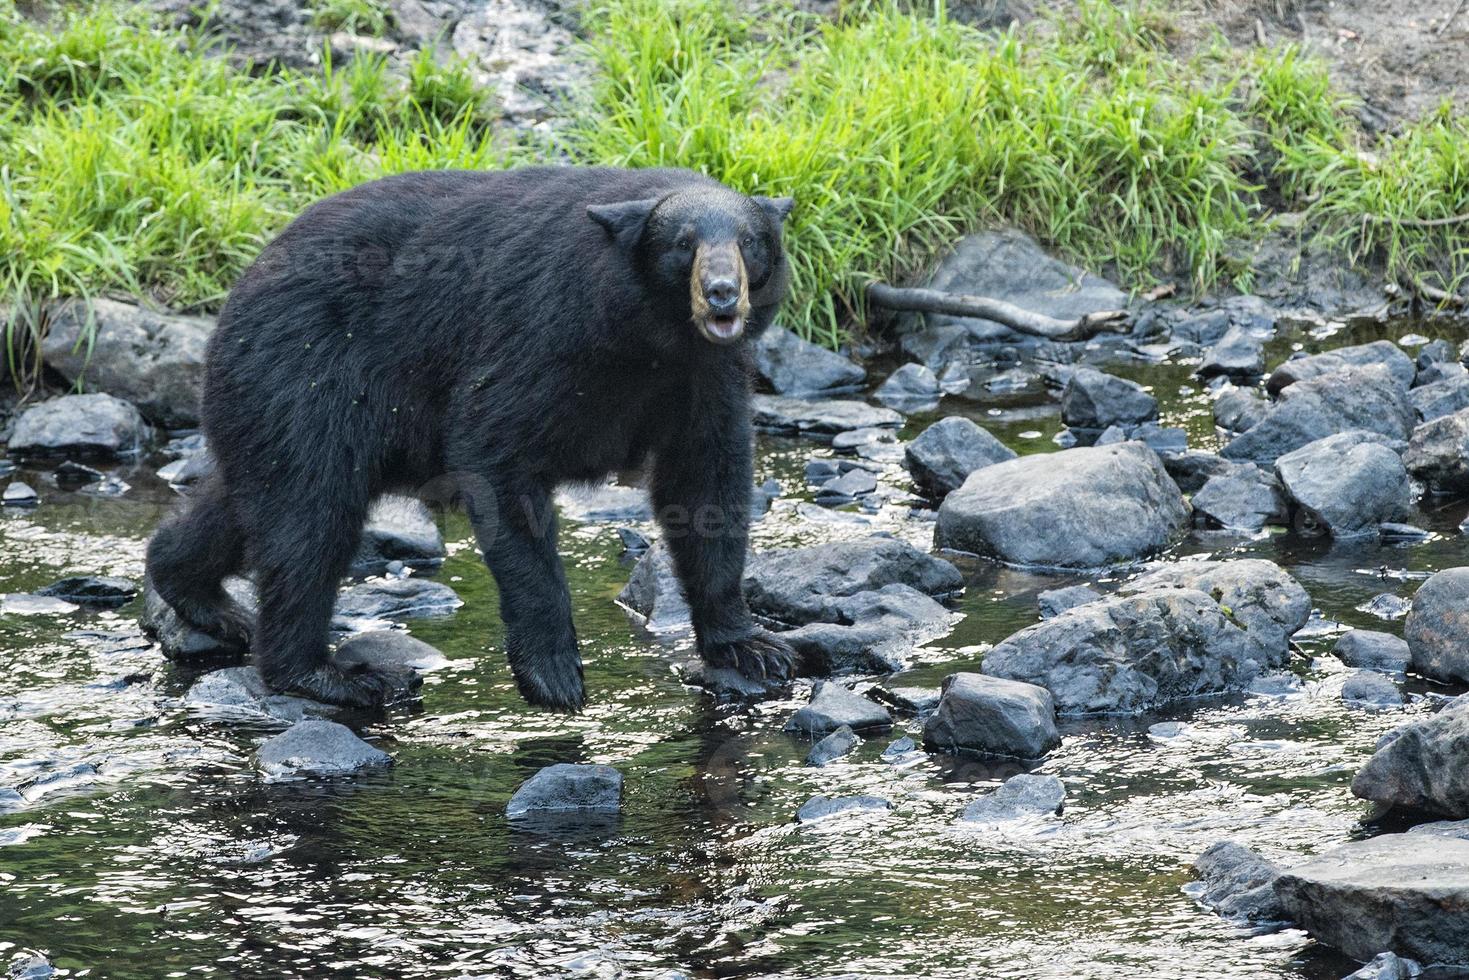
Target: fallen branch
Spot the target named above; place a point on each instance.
(1383, 219)
(913, 300)
(1439, 296)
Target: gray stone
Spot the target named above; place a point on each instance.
(389, 649)
(1079, 508)
(1388, 966)
(568, 788)
(1244, 499)
(93, 425)
(1239, 409)
(1131, 654)
(1193, 469)
(1238, 883)
(1093, 400)
(986, 715)
(1054, 602)
(1438, 453)
(29, 966)
(531, 64)
(1420, 766)
(241, 691)
(1437, 628)
(634, 543)
(92, 590)
(1371, 650)
(1386, 606)
(1389, 892)
(824, 807)
(1441, 398)
(803, 585)
(1363, 398)
(18, 494)
(1239, 353)
(315, 746)
(154, 360)
(944, 454)
(855, 439)
(847, 487)
(839, 743)
(793, 366)
(396, 599)
(1384, 353)
(908, 702)
(654, 593)
(1204, 328)
(899, 749)
(1347, 484)
(398, 529)
(1443, 828)
(1394, 533)
(833, 706)
(1254, 593)
(1019, 797)
(911, 388)
(188, 470)
(822, 418)
(180, 641)
(1366, 687)
(605, 503)
(873, 633)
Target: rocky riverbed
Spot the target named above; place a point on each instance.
(1107, 651)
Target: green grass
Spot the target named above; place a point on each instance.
(133, 161)
(368, 17)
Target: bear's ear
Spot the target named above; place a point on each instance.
(624, 220)
(777, 208)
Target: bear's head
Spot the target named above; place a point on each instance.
(706, 253)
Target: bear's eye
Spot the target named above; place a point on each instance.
(747, 242)
(684, 245)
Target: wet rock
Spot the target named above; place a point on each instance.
(180, 641)
(839, 743)
(317, 747)
(1369, 688)
(634, 543)
(1131, 654)
(1389, 892)
(844, 489)
(1383, 353)
(604, 503)
(1435, 352)
(1191, 470)
(833, 706)
(528, 61)
(1239, 409)
(1079, 508)
(29, 966)
(398, 529)
(1438, 453)
(944, 454)
(803, 585)
(1437, 628)
(1443, 828)
(1093, 400)
(1239, 354)
(92, 590)
(1372, 650)
(1246, 498)
(907, 702)
(900, 748)
(873, 633)
(654, 593)
(1054, 602)
(1347, 484)
(824, 807)
(1019, 797)
(981, 714)
(93, 425)
(1238, 883)
(1394, 533)
(854, 440)
(1441, 398)
(793, 366)
(1420, 767)
(911, 388)
(23, 604)
(18, 494)
(393, 650)
(936, 347)
(242, 692)
(188, 470)
(567, 787)
(1254, 593)
(154, 360)
(1386, 606)
(1388, 966)
(1364, 398)
(820, 418)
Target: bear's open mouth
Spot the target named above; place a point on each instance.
(724, 328)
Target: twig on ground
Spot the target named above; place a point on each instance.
(1439, 296)
(1385, 219)
(1458, 9)
(915, 300)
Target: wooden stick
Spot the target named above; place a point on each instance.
(914, 300)
(1439, 296)
(1382, 219)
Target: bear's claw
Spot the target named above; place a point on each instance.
(358, 686)
(760, 656)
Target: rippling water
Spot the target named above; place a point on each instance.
(143, 843)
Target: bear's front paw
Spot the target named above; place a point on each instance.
(760, 656)
(548, 671)
(357, 686)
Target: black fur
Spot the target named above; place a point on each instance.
(488, 333)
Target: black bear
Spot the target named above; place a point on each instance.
(504, 331)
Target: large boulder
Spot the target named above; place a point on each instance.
(873, 634)
(94, 425)
(944, 454)
(1437, 627)
(1093, 400)
(1438, 453)
(985, 715)
(1130, 654)
(804, 585)
(823, 418)
(1256, 594)
(1238, 883)
(1372, 650)
(793, 366)
(1382, 353)
(1347, 484)
(1079, 508)
(1421, 766)
(1388, 893)
(154, 360)
(1361, 398)
(1244, 498)
(1441, 397)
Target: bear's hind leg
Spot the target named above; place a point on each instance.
(189, 557)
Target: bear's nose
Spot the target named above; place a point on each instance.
(722, 294)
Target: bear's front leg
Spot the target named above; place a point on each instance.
(701, 492)
(515, 525)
